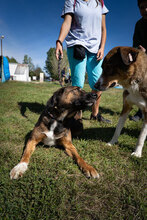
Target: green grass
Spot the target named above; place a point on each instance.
(53, 187)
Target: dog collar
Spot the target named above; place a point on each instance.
(52, 117)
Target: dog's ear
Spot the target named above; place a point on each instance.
(128, 55)
(52, 101)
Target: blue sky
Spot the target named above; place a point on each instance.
(32, 27)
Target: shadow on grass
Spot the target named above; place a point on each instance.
(105, 134)
(102, 111)
(34, 107)
(101, 134)
(38, 108)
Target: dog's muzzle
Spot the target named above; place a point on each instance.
(100, 87)
(92, 95)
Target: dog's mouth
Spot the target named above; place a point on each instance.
(89, 103)
(91, 97)
(88, 100)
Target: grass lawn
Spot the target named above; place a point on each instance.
(53, 187)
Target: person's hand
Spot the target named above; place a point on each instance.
(100, 54)
(59, 51)
(142, 48)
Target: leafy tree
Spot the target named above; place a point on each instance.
(51, 63)
(28, 60)
(25, 59)
(11, 60)
(37, 72)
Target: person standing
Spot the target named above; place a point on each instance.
(84, 28)
(140, 40)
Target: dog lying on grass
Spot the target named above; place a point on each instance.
(127, 66)
(56, 125)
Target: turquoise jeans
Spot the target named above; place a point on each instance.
(79, 68)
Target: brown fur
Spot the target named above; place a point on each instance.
(127, 66)
(115, 70)
(58, 119)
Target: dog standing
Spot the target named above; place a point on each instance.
(127, 66)
(56, 126)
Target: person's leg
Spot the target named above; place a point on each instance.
(95, 107)
(94, 71)
(78, 69)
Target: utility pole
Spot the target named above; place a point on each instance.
(2, 70)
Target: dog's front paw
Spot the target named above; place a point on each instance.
(18, 170)
(112, 142)
(109, 144)
(89, 171)
(136, 154)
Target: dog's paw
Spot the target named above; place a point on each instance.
(109, 144)
(112, 142)
(89, 171)
(18, 170)
(136, 154)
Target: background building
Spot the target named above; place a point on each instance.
(19, 72)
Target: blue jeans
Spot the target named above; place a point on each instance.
(79, 67)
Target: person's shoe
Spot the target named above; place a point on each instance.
(137, 116)
(93, 117)
(100, 118)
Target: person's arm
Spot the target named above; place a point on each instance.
(100, 53)
(65, 28)
(137, 39)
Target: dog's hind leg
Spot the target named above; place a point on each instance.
(22, 166)
(141, 139)
(123, 116)
(88, 170)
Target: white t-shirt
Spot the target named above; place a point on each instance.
(86, 27)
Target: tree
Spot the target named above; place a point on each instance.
(11, 60)
(28, 60)
(51, 63)
(37, 72)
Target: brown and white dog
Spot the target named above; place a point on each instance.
(127, 66)
(56, 126)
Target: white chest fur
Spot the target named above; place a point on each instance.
(50, 138)
(135, 97)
